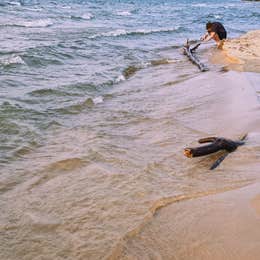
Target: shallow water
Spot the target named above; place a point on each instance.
(56, 58)
(97, 104)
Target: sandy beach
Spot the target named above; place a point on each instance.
(242, 54)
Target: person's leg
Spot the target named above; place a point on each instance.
(220, 44)
(218, 41)
(216, 38)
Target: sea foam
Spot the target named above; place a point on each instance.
(31, 24)
(98, 100)
(124, 13)
(12, 60)
(122, 32)
(38, 23)
(87, 16)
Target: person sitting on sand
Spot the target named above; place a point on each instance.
(215, 31)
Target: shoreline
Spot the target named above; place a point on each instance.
(240, 54)
(219, 226)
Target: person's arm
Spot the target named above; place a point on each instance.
(204, 37)
(209, 36)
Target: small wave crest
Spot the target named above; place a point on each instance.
(17, 137)
(7, 3)
(214, 16)
(54, 169)
(162, 62)
(199, 5)
(21, 151)
(123, 32)
(87, 16)
(41, 23)
(48, 92)
(12, 60)
(67, 164)
(130, 71)
(124, 13)
(120, 79)
(98, 100)
(81, 105)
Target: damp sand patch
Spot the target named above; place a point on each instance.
(241, 54)
(220, 226)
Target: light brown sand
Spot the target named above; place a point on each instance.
(216, 227)
(242, 53)
(256, 204)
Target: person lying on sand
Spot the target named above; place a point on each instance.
(215, 31)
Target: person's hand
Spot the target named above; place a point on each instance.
(203, 37)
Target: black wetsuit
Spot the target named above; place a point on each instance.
(219, 29)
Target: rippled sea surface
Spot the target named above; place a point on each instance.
(96, 104)
(58, 59)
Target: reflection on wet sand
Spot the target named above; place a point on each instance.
(222, 226)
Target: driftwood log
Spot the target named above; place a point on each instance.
(189, 51)
(216, 144)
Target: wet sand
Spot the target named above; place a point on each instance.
(242, 54)
(222, 226)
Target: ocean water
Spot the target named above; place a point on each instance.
(59, 58)
(96, 104)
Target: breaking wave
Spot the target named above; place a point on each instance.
(123, 32)
(124, 13)
(80, 106)
(41, 23)
(120, 78)
(130, 71)
(86, 16)
(12, 60)
(14, 3)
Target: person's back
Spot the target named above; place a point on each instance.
(219, 29)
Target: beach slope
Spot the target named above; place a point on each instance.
(241, 53)
(222, 226)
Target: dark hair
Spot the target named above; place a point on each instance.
(208, 25)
